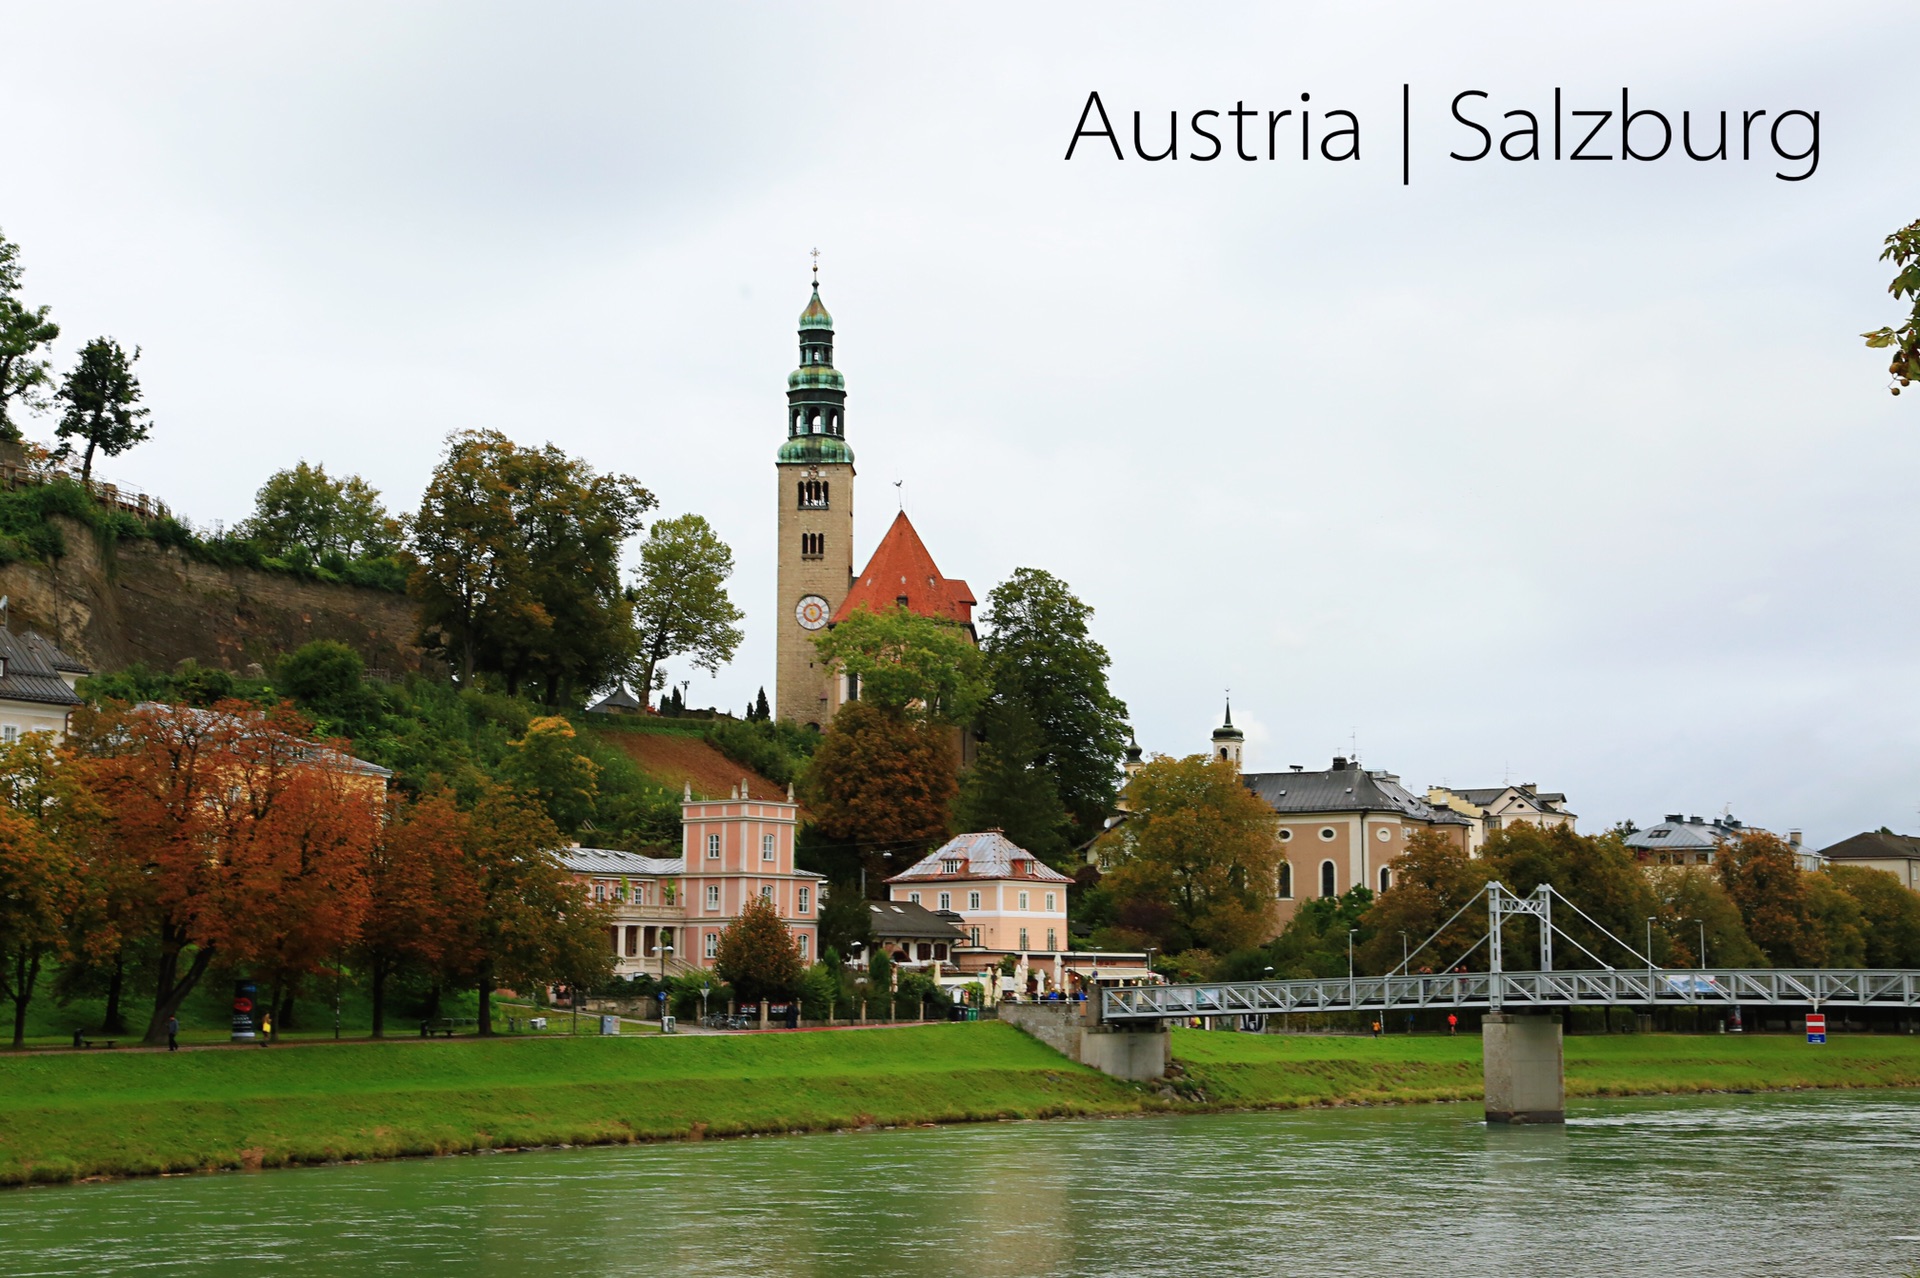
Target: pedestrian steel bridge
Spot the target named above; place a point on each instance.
(1521, 991)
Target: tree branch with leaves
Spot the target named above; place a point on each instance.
(1903, 249)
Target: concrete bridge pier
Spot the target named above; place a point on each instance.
(1526, 1077)
(1138, 1052)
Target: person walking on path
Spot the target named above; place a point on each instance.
(173, 1033)
(1376, 1029)
(1452, 1022)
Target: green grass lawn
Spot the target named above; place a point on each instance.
(73, 1114)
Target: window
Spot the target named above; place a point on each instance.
(711, 946)
(9, 734)
(1326, 878)
(1050, 900)
(1326, 833)
(946, 900)
(803, 900)
(599, 891)
(940, 950)
(713, 847)
(1286, 836)
(1050, 940)
(1386, 878)
(973, 936)
(766, 892)
(949, 866)
(1023, 938)
(1384, 835)
(767, 843)
(914, 897)
(1023, 900)
(1286, 881)
(973, 900)
(713, 896)
(806, 944)
(813, 545)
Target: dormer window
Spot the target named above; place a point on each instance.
(949, 867)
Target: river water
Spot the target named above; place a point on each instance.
(1808, 1184)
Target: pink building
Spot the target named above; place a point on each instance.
(669, 912)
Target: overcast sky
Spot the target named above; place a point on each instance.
(1567, 473)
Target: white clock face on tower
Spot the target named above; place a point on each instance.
(812, 612)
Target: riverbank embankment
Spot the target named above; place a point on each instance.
(69, 1116)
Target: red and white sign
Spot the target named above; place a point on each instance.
(1816, 1027)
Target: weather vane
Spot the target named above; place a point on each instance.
(816, 266)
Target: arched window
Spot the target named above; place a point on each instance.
(1386, 878)
(1286, 881)
(1326, 878)
(823, 492)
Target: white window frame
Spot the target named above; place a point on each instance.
(713, 896)
(713, 847)
(946, 900)
(711, 945)
(1023, 901)
(767, 845)
(806, 946)
(973, 900)
(1050, 900)
(766, 892)
(913, 898)
(803, 899)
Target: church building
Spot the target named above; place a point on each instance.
(818, 586)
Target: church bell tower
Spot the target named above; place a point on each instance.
(815, 559)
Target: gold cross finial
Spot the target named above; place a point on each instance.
(816, 266)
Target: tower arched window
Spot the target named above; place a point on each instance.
(1326, 878)
(1386, 878)
(1286, 881)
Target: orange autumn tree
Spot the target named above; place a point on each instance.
(419, 890)
(48, 826)
(249, 843)
(879, 778)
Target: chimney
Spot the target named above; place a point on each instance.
(1339, 763)
(1793, 838)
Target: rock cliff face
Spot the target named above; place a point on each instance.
(138, 602)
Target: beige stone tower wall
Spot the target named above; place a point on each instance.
(803, 689)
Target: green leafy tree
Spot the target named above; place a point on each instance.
(305, 513)
(101, 397)
(1903, 249)
(1199, 845)
(518, 575)
(1042, 654)
(328, 678)
(846, 924)
(757, 954)
(680, 604)
(25, 332)
(545, 766)
(1009, 787)
(1889, 914)
(907, 664)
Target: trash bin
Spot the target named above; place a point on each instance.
(538, 1022)
(609, 1025)
(667, 1023)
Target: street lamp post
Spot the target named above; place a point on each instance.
(704, 991)
(860, 983)
(1703, 941)
(1404, 958)
(1650, 1004)
(1353, 990)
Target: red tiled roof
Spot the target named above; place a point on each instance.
(901, 571)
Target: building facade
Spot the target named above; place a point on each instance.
(669, 912)
(1007, 900)
(1896, 854)
(37, 683)
(1691, 840)
(814, 566)
(1492, 808)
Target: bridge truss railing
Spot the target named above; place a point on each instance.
(1518, 991)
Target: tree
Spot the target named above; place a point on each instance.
(525, 921)
(1759, 873)
(880, 780)
(757, 955)
(845, 921)
(680, 604)
(306, 514)
(1903, 247)
(1198, 843)
(47, 822)
(1041, 655)
(907, 664)
(1889, 914)
(101, 395)
(1009, 787)
(327, 678)
(1594, 872)
(24, 333)
(762, 712)
(1692, 897)
(221, 813)
(518, 575)
(1432, 879)
(415, 884)
(544, 766)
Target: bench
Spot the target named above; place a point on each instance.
(445, 1026)
(83, 1042)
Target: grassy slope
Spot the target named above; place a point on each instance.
(1283, 1070)
(66, 1115)
(131, 1113)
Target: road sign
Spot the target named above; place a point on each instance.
(1816, 1027)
